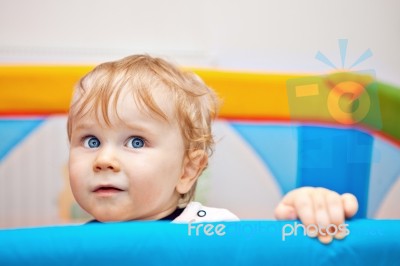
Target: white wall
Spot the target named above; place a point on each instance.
(274, 35)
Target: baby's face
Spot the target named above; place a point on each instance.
(128, 170)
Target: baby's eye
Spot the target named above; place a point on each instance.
(135, 142)
(91, 142)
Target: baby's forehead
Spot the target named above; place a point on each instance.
(158, 104)
(127, 105)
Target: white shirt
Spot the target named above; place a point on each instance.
(199, 213)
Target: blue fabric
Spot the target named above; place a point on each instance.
(385, 170)
(276, 145)
(370, 242)
(338, 159)
(12, 131)
(298, 155)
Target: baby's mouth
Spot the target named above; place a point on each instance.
(107, 190)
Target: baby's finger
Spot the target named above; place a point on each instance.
(325, 239)
(335, 208)
(350, 205)
(320, 208)
(305, 209)
(285, 212)
(336, 212)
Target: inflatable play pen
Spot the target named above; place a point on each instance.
(275, 132)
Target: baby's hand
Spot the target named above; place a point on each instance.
(318, 206)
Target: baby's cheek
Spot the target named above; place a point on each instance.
(76, 173)
(75, 186)
(149, 192)
(79, 162)
(73, 174)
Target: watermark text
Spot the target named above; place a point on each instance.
(313, 230)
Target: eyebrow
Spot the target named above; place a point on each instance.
(84, 126)
(136, 127)
(131, 126)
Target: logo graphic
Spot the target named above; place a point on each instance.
(343, 52)
(345, 97)
(336, 157)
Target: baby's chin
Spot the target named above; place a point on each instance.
(110, 216)
(109, 219)
(106, 214)
(112, 219)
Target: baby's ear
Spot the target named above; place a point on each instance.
(193, 165)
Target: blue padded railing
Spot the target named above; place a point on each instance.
(370, 242)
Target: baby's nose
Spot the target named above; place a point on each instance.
(106, 160)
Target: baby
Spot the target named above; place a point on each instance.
(140, 136)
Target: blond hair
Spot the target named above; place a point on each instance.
(196, 105)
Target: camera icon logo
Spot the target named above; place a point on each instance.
(345, 97)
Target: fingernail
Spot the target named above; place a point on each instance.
(292, 216)
(340, 235)
(325, 239)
